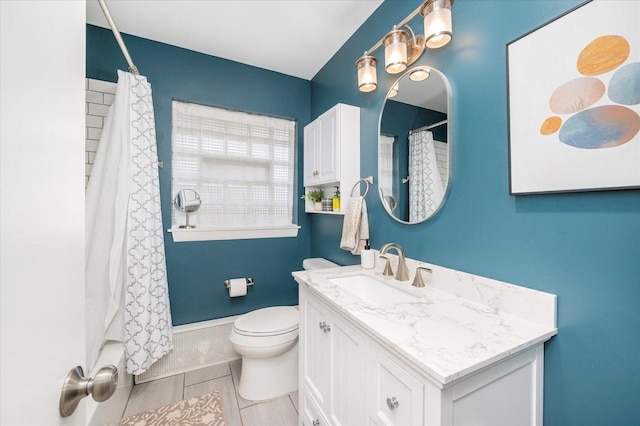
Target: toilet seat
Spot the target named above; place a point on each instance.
(265, 322)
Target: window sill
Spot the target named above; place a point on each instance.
(210, 234)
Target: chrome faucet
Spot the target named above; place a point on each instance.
(403, 272)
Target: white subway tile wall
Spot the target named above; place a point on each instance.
(442, 157)
(99, 96)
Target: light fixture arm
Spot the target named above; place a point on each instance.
(402, 23)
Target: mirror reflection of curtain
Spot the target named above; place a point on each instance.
(385, 169)
(425, 184)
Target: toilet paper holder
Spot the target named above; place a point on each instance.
(227, 283)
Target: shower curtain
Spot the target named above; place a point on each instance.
(126, 279)
(425, 184)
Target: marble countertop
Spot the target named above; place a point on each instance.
(446, 334)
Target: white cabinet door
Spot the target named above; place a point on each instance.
(399, 396)
(333, 367)
(321, 150)
(315, 352)
(328, 149)
(311, 143)
(347, 375)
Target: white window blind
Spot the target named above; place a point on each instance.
(241, 164)
(385, 165)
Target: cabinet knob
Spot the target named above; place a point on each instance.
(316, 422)
(392, 403)
(324, 327)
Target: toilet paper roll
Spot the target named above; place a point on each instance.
(237, 287)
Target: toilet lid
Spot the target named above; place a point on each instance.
(274, 320)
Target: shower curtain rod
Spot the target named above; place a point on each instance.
(439, 123)
(132, 68)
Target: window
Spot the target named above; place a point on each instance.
(241, 164)
(385, 170)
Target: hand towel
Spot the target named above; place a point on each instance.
(355, 229)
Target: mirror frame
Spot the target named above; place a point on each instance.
(186, 209)
(446, 190)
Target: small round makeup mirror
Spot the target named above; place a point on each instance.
(187, 201)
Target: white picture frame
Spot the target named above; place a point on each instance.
(570, 68)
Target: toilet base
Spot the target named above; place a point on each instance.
(268, 378)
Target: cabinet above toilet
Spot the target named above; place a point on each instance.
(332, 155)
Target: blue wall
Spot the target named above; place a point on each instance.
(584, 247)
(196, 270)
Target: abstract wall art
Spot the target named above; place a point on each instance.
(574, 101)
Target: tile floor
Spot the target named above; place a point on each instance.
(238, 411)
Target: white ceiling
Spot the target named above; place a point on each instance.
(293, 37)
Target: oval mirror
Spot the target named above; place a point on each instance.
(415, 145)
(187, 201)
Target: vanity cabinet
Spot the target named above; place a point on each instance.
(332, 153)
(350, 376)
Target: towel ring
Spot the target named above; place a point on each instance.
(368, 181)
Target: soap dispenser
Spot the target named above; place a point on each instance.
(367, 260)
(336, 200)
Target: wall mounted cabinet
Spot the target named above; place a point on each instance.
(332, 154)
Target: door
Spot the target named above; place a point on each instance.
(42, 60)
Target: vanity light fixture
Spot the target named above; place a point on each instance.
(394, 90)
(395, 51)
(400, 51)
(367, 78)
(437, 22)
(419, 74)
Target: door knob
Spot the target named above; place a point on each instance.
(76, 387)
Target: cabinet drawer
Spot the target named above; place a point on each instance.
(310, 414)
(399, 395)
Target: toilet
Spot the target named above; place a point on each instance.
(267, 340)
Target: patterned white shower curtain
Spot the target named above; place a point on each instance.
(425, 184)
(127, 291)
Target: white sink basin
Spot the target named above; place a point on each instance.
(372, 291)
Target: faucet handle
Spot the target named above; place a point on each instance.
(388, 272)
(417, 281)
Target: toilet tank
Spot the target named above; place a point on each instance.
(317, 263)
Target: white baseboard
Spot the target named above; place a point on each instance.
(196, 345)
